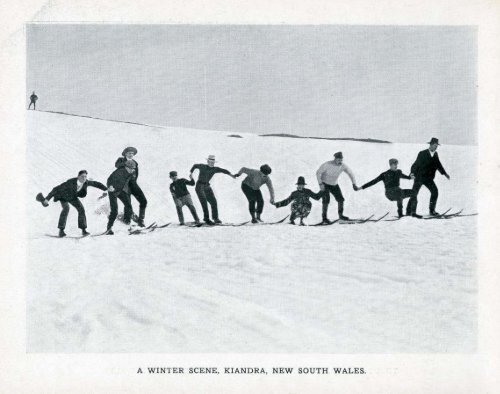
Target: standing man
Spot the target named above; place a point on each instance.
(118, 186)
(328, 175)
(204, 190)
(251, 188)
(424, 171)
(391, 179)
(33, 99)
(134, 189)
(70, 192)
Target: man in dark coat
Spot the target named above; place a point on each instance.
(67, 193)
(134, 189)
(118, 186)
(424, 170)
(33, 99)
(301, 205)
(391, 180)
(204, 190)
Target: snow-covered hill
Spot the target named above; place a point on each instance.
(405, 286)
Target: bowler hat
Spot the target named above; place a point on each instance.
(301, 181)
(434, 141)
(338, 155)
(129, 149)
(211, 157)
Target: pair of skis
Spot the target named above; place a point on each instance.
(353, 221)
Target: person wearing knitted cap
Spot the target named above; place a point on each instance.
(424, 170)
(135, 190)
(182, 197)
(119, 188)
(251, 188)
(328, 174)
(204, 189)
(391, 179)
(301, 205)
(68, 193)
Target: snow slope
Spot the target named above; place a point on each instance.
(405, 286)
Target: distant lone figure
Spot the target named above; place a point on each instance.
(424, 170)
(33, 99)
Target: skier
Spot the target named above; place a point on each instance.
(251, 188)
(391, 179)
(134, 189)
(328, 175)
(301, 205)
(182, 196)
(424, 171)
(118, 187)
(33, 99)
(204, 190)
(70, 192)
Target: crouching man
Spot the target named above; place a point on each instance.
(68, 193)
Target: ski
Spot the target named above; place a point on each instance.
(356, 221)
(441, 215)
(271, 223)
(325, 224)
(141, 229)
(379, 219)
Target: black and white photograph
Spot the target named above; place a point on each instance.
(249, 197)
(252, 188)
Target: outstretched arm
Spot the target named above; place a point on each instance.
(373, 182)
(402, 175)
(194, 167)
(441, 168)
(269, 184)
(316, 196)
(98, 185)
(284, 202)
(319, 176)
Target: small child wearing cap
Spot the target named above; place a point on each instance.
(391, 179)
(301, 205)
(181, 196)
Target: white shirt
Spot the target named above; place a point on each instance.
(329, 173)
(79, 185)
(432, 153)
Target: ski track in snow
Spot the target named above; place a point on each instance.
(404, 286)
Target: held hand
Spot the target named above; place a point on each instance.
(45, 202)
(447, 176)
(103, 195)
(412, 176)
(322, 187)
(111, 188)
(190, 175)
(356, 188)
(271, 201)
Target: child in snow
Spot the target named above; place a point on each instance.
(301, 206)
(391, 179)
(182, 197)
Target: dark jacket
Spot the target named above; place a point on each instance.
(120, 163)
(119, 179)
(207, 172)
(426, 165)
(67, 191)
(391, 179)
(300, 196)
(33, 98)
(179, 188)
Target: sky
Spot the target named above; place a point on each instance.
(397, 83)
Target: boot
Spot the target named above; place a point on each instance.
(301, 222)
(326, 221)
(209, 222)
(292, 221)
(433, 213)
(258, 218)
(217, 221)
(416, 215)
(140, 223)
(109, 231)
(254, 220)
(400, 213)
(61, 233)
(341, 211)
(85, 232)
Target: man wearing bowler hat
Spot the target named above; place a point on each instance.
(204, 190)
(134, 189)
(424, 171)
(328, 175)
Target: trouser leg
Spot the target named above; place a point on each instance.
(137, 192)
(179, 213)
(82, 219)
(200, 192)
(260, 202)
(64, 215)
(212, 201)
(113, 202)
(325, 202)
(192, 209)
(434, 194)
(337, 193)
(127, 206)
(411, 208)
(250, 195)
